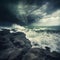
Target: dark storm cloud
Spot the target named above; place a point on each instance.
(56, 3)
(7, 16)
(6, 1)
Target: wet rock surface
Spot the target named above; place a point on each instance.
(15, 46)
(41, 54)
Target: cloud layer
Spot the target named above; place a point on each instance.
(24, 11)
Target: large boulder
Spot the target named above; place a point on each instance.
(13, 45)
(41, 54)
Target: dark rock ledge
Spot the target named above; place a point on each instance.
(15, 46)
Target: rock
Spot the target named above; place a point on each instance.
(35, 54)
(41, 54)
(4, 32)
(13, 45)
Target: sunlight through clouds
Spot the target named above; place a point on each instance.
(52, 19)
(49, 20)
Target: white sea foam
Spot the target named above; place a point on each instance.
(42, 39)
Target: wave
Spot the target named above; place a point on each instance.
(40, 39)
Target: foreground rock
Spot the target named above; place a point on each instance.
(41, 54)
(15, 46)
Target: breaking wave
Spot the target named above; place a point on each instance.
(41, 39)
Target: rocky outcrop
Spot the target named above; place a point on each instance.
(15, 46)
(41, 54)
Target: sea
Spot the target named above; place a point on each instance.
(40, 37)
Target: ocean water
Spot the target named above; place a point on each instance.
(41, 39)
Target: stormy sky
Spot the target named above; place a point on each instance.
(28, 12)
(32, 13)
